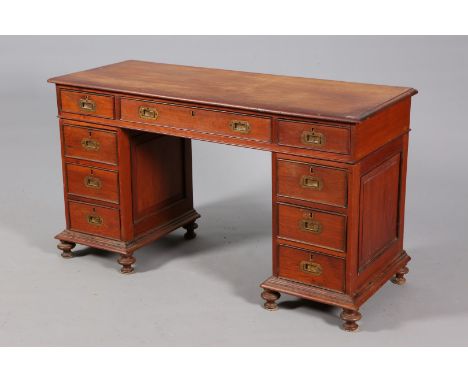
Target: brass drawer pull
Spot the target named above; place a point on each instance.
(240, 127)
(90, 144)
(87, 104)
(309, 225)
(313, 138)
(310, 267)
(311, 182)
(95, 220)
(148, 112)
(92, 182)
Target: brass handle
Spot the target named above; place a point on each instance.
(92, 182)
(309, 225)
(313, 138)
(148, 112)
(310, 267)
(311, 182)
(240, 127)
(87, 104)
(90, 144)
(95, 220)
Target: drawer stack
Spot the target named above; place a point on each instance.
(91, 172)
(311, 208)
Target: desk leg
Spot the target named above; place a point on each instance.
(126, 261)
(270, 297)
(66, 248)
(190, 227)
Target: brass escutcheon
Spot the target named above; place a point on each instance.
(309, 225)
(310, 267)
(146, 112)
(90, 144)
(312, 182)
(240, 127)
(92, 182)
(313, 138)
(87, 104)
(95, 220)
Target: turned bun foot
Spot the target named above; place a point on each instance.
(350, 317)
(190, 227)
(399, 277)
(270, 297)
(66, 248)
(126, 261)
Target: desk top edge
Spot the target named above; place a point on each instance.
(305, 97)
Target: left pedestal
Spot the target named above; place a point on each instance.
(123, 189)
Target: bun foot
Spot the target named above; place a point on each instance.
(399, 277)
(350, 317)
(126, 261)
(270, 297)
(66, 248)
(190, 227)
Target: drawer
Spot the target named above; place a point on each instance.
(92, 183)
(206, 121)
(313, 183)
(91, 144)
(311, 268)
(313, 227)
(314, 136)
(95, 220)
(97, 105)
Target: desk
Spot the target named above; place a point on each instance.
(339, 155)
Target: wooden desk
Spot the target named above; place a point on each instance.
(339, 153)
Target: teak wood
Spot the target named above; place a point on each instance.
(339, 155)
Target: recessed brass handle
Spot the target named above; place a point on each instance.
(87, 104)
(92, 182)
(313, 138)
(311, 182)
(309, 225)
(310, 267)
(95, 220)
(240, 127)
(90, 144)
(146, 112)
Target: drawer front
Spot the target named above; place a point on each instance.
(207, 121)
(311, 268)
(91, 144)
(313, 183)
(312, 227)
(92, 183)
(314, 136)
(94, 220)
(97, 105)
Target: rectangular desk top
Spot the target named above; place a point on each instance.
(282, 95)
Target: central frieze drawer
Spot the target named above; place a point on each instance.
(206, 121)
(318, 228)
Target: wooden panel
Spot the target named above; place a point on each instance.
(378, 210)
(325, 271)
(93, 183)
(103, 105)
(330, 139)
(305, 181)
(306, 97)
(93, 144)
(89, 218)
(158, 174)
(213, 122)
(332, 227)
